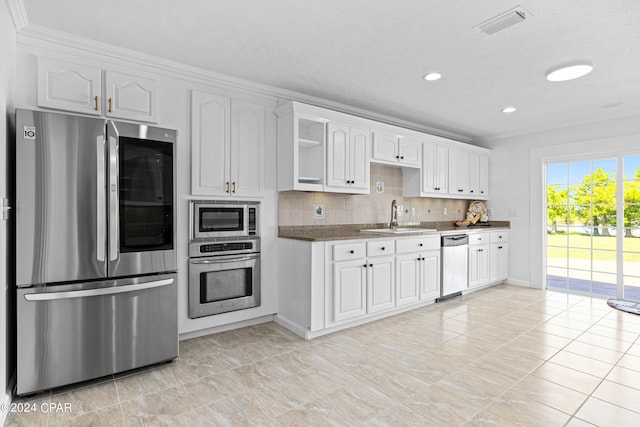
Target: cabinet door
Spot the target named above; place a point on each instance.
(410, 151)
(474, 174)
(483, 179)
(380, 284)
(359, 158)
(499, 261)
(210, 136)
(338, 169)
(69, 87)
(349, 290)
(247, 148)
(459, 172)
(430, 280)
(442, 169)
(429, 168)
(478, 265)
(385, 147)
(130, 97)
(407, 278)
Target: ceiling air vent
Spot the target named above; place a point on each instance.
(504, 20)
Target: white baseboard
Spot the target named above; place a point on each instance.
(228, 327)
(292, 326)
(522, 283)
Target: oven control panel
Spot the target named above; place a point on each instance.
(211, 247)
(226, 247)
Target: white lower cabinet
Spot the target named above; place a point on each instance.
(334, 285)
(349, 290)
(499, 255)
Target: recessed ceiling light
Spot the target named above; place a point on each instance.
(569, 72)
(432, 77)
(508, 110)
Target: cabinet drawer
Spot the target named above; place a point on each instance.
(499, 236)
(347, 251)
(380, 247)
(417, 244)
(478, 238)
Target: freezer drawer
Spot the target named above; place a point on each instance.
(72, 333)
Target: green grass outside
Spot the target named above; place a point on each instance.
(580, 246)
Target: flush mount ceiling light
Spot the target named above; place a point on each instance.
(432, 76)
(510, 109)
(569, 72)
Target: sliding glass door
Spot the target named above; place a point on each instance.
(593, 226)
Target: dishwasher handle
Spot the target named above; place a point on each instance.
(457, 240)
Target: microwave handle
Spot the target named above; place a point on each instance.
(222, 261)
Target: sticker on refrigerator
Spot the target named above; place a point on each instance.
(29, 132)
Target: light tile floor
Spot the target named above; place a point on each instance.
(504, 356)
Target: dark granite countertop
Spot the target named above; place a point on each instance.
(321, 233)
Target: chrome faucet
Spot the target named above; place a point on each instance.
(394, 215)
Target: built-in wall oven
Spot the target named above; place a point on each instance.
(224, 265)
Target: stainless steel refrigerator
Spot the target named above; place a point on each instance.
(95, 248)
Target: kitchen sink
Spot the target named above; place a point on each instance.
(399, 230)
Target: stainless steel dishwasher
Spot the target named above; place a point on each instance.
(455, 262)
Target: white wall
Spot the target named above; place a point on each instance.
(517, 179)
(7, 78)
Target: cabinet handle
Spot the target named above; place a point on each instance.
(460, 191)
(471, 191)
(227, 186)
(480, 250)
(110, 105)
(499, 247)
(234, 186)
(96, 100)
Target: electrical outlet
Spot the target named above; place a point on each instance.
(445, 211)
(513, 212)
(490, 211)
(413, 211)
(400, 210)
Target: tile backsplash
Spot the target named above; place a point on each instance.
(301, 208)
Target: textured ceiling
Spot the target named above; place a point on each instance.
(372, 54)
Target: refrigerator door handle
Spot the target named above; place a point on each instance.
(114, 219)
(49, 296)
(100, 200)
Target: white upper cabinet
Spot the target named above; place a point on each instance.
(347, 158)
(396, 150)
(468, 174)
(79, 88)
(435, 168)
(69, 87)
(227, 146)
(131, 97)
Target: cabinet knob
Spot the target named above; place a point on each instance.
(382, 248)
(352, 252)
(370, 265)
(420, 244)
(401, 157)
(365, 266)
(481, 191)
(471, 191)
(397, 157)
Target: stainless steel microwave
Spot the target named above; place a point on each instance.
(212, 219)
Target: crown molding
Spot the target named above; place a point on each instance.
(57, 41)
(18, 14)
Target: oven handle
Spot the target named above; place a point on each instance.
(222, 261)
